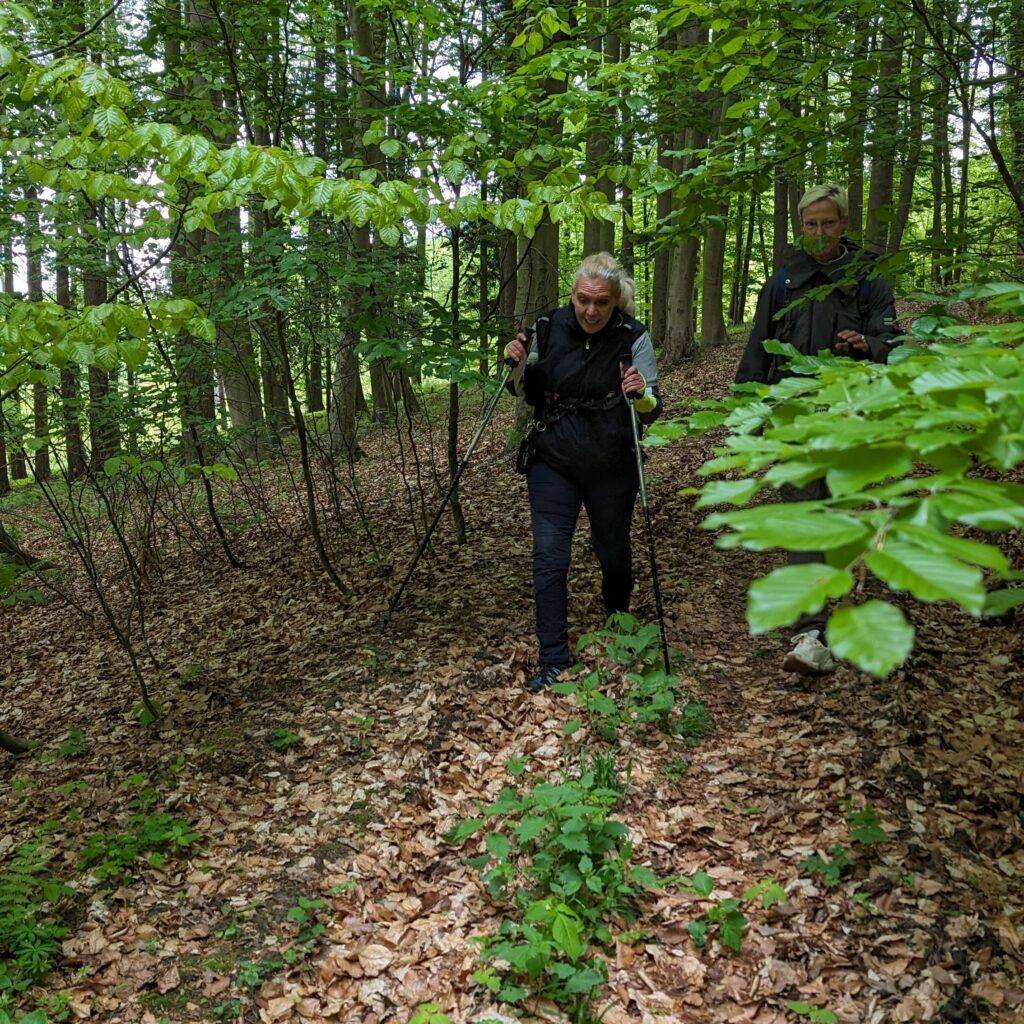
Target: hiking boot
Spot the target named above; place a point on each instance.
(809, 656)
(546, 675)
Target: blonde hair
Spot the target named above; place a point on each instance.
(826, 191)
(602, 266)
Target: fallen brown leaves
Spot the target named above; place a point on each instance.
(398, 734)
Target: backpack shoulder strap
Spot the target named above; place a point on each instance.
(542, 332)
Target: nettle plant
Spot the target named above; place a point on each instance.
(564, 866)
(650, 697)
(912, 453)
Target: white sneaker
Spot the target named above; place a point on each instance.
(809, 657)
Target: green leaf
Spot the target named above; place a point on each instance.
(698, 932)
(703, 884)
(733, 925)
(793, 527)
(999, 602)
(462, 831)
(584, 981)
(499, 846)
(864, 466)
(530, 828)
(728, 492)
(928, 574)
(873, 636)
(973, 551)
(734, 77)
(781, 597)
(566, 935)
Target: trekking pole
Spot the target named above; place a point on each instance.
(648, 529)
(492, 404)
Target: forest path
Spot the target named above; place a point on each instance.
(391, 736)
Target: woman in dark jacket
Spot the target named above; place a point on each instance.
(584, 359)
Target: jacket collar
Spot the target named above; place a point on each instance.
(802, 268)
(617, 319)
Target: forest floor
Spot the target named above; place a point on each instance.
(319, 761)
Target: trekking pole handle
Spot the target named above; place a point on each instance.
(631, 396)
(530, 334)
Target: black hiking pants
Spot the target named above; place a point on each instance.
(555, 503)
(816, 490)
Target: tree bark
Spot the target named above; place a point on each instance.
(14, 745)
(857, 116)
(908, 170)
(712, 322)
(883, 142)
(34, 276)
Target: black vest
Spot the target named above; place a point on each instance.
(581, 421)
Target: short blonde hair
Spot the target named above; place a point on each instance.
(602, 266)
(824, 191)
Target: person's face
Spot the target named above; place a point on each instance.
(594, 303)
(823, 226)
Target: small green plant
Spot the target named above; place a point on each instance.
(725, 918)
(14, 587)
(651, 696)
(429, 1013)
(565, 867)
(305, 913)
(865, 826)
(675, 769)
(153, 836)
(813, 1013)
(32, 905)
(831, 871)
(363, 725)
(547, 954)
(74, 744)
(284, 739)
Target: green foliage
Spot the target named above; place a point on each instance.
(813, 1013)
(831, 870)
(32, 905)
(13, 588)
(910, 451)
(282, 739)
(865, 826)
(74, 744)
(151, 836)
(651, 696)
(429, 1013)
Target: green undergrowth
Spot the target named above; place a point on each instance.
(38, 900)
(555, 856)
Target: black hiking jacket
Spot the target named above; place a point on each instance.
(581, 419)
(830, 297)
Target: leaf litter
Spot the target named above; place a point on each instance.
(397, 735)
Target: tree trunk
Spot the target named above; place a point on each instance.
(908, 170)
(10, 415)
(627, 250)
(70, 389)
(712, 322)
(1015, 108)
(236, 354)
(14, 745)
(883, 141)
(857, 116)
(599, 234)
(34, 276)
(458, 517)
(780, 218)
